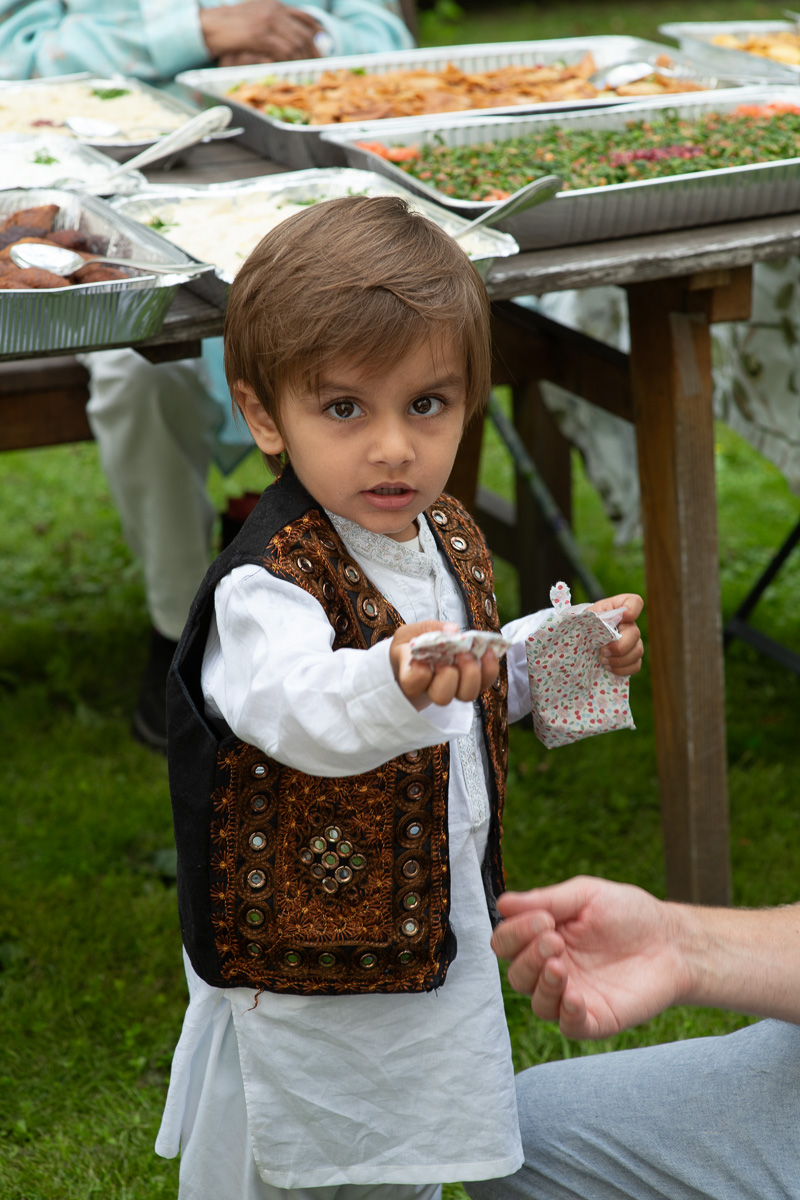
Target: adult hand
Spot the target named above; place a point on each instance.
(258, 31)
(623, 657)
(595, 956)
(423, 685)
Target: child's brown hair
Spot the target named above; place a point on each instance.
(360, 277)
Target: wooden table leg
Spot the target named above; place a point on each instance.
(670, 364)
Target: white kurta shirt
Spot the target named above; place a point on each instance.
(374, 1088)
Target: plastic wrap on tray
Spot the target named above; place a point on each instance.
(92, 314)
(616, 210)
(219, 203)
(299, 146)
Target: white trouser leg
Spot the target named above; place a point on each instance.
(155, 426)
(217, 1160)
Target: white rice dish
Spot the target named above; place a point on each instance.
(31, 162)
(137, 114)
(223, 230)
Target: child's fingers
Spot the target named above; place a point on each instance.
(490, 666)
(413, 677)
(444, 685)
(469, 677)
(630, 601)
(624, 657)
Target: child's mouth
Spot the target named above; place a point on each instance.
(389, 495)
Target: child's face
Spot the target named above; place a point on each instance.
(374, 447)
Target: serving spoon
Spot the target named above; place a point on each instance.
(211, 120)
(535, 192)
(624, 73)
(60, 261)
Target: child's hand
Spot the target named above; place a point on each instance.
(420, 684)
(625, 656)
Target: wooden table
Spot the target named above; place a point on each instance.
(678, 284)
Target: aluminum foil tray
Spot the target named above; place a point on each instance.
(620, 209)
(299, 146)
(91, 314)
(695, 39)
(31, 160)
(295, 187)
(118, 147)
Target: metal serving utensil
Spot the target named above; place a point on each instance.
(89, 127)
(60, 261)
(624, 73)
(532, 193)
(194, 130)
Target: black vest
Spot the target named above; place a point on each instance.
(295, 883)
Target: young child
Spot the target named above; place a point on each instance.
(337, 805)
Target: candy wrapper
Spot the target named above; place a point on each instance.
(572, 695)
(437, 647)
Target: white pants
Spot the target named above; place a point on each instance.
(217, 1161)
(156, 427)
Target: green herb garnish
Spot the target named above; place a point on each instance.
(159, 224)
(588, 158)
(110, 93)
(293, 116)
(45, 159)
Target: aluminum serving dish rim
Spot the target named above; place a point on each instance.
(168, 99)
(387, 61)
(733, 96)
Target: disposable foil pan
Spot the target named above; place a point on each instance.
(299, 146)
(120, 311)
(118, 147)
(695, 39)
(620, 209)
(31, 160)
(298, 187)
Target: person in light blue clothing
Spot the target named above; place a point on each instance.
(159, 427)
(153, 40)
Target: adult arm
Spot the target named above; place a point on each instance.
(344, 27)
(153, 40)
(600, 956)
(362, 26)
(148, 39)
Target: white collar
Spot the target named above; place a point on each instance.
(399, 556)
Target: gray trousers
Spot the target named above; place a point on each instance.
(705, 1119)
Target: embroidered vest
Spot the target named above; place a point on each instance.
(295, 883)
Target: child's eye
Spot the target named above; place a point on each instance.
(426, 406)
(344, 410)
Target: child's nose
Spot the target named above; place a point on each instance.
(391, 443)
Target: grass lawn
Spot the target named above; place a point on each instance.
(91, 983)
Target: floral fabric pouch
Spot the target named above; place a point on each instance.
(572, 695)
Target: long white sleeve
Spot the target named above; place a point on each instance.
(319, 711)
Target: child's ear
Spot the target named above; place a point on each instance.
(266, 434)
